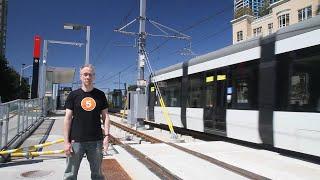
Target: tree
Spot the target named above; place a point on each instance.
(243, 11)
(9, 79)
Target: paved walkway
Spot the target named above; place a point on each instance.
(51, 167)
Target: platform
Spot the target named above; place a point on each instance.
(265, 163)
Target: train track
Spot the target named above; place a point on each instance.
(153, 166)
(164, 173)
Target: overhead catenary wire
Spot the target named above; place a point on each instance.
(205, 38)
(196, 24)
(116, 74)
(201, 21)
(108, 42)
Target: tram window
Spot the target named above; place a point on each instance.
(302, 90)
(171, 92)
(209, 96)
(195, 83)
(242, 91)
(299, 93)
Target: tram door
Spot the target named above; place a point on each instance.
(215, 102)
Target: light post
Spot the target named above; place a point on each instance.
(79, 27)
(21, 71)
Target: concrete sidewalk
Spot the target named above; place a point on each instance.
(51, 167)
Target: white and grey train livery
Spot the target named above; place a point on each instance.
(264, 90)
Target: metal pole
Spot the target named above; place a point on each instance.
(19, 115)
(42, 85)
(141, 44)
(23, 115)
(1, 124)
(119, 79)
(141, 58)
(87, 45)
(21, 74)
(30, 85)
(31, 112)
(7, 125)
(27, 114)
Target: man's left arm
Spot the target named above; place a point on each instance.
(106, 126)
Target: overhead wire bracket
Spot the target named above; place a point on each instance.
(164, 29)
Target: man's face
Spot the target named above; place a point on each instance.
(87, 76)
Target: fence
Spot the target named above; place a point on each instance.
(17, 118)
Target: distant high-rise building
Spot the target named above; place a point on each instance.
(254, 5)
(3, 25)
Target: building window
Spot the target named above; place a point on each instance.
(270, 28)
(239, 36)
(304, 13)
(283, 20)
(257, 31)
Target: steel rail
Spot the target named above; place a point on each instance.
(153, 166)
(235, 169)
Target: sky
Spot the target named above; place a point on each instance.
(206, 21)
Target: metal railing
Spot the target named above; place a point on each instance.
(18, 117)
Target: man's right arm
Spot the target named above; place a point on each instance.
(66, 131)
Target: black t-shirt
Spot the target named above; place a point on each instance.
(86, 107)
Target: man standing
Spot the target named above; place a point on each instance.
(82, 126)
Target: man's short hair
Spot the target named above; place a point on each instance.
(88, 66)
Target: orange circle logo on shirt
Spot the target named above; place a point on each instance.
(88, 104)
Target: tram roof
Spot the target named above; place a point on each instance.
(283, 33)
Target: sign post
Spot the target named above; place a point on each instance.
(35, 72)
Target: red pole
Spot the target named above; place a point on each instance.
(35, 72)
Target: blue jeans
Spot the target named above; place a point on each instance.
(93, 150)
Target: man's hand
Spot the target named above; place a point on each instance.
(68, 149)
(105, 143)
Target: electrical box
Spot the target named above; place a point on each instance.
(137, 106)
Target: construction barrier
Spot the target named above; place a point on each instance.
(30, 151)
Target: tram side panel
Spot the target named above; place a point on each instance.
(296, 119)
(171, 93)
(242, 117)
(281, 111)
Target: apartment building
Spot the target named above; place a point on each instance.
(281, 14)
